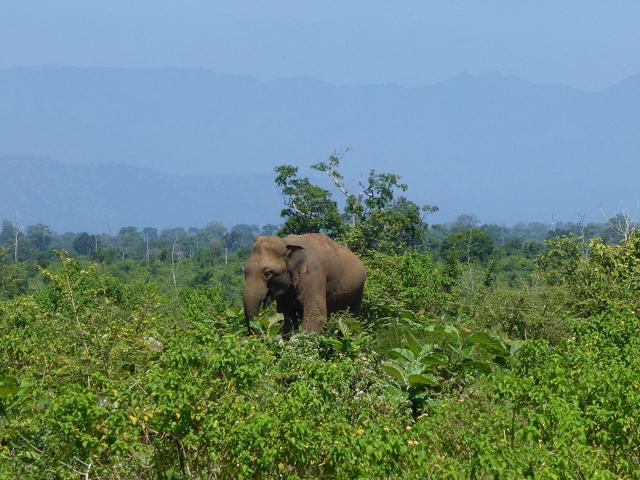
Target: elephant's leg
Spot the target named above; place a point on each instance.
(356, 303)
(286, 306)
(289, 326)
(314, 309)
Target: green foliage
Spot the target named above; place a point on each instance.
(373, 219)
(468, 245)
(85, 244)
(113, 371)
(582, 397)
(9, 387)
(397, 283)
(202, 302)
(603, 279)
(377, 193)
(267, 324)
(308, 208)
(442, 358)
(14, 278)
(394, 229)
(531, 311)
(560, 261)
(117, 386)
(40, 236)
(349, 337)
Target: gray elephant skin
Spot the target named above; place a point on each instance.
(309, 276)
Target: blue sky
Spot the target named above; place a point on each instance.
(587, 44)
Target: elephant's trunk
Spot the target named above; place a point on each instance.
(255, 293)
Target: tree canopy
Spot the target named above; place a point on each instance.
(374, 216)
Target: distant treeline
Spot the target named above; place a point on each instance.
(38, 242)
(611, 231)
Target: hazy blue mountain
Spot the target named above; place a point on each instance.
(104, 198)
(494, 145)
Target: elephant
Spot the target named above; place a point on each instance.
(309, 276)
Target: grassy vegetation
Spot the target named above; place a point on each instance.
(507, 366)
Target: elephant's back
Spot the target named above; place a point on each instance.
(346, 273)
(338, 260)
(331, 249)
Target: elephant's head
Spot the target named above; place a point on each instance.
(266, 274)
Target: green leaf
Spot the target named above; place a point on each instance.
(347, 346)
(414, 367)
(394, 371)
(452, 333)
(343, 327)
(466, 351)
(337, 344)
(403, 354)
(256, 325)
(407, 315)
(274, 319)
(426, 349)
(422, 379)
(490, 342)
(516, 345)
(481, 367)
(9, 386)
(273, 329)
(434, 358)
(501, 361)
(415, 346)
(354, 326)
(444, 334)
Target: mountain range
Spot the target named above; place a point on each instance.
(106, 197)
(184, 146)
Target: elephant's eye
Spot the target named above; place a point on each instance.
(268, 273)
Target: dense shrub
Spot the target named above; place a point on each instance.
(597, 277)
(406, 282)
(112, 379)
(529, 312)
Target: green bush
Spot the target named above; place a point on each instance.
(109, 378)
(406, 282)
(535, 311)
(605, 277)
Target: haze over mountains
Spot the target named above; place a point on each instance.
(106, 197)
(185, 146)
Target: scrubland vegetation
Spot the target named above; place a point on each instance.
(481, 352)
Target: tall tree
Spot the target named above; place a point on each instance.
(376, 194)
(130, 242)
(10, 235)
(84, 243)
(373, 217)
(40, 236)
(308, 207)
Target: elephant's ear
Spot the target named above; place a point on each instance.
(292, 245)
(293, 248)
(294, 242)
(296, 264)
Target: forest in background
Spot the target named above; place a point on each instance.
(482, 351)
(197, 256)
